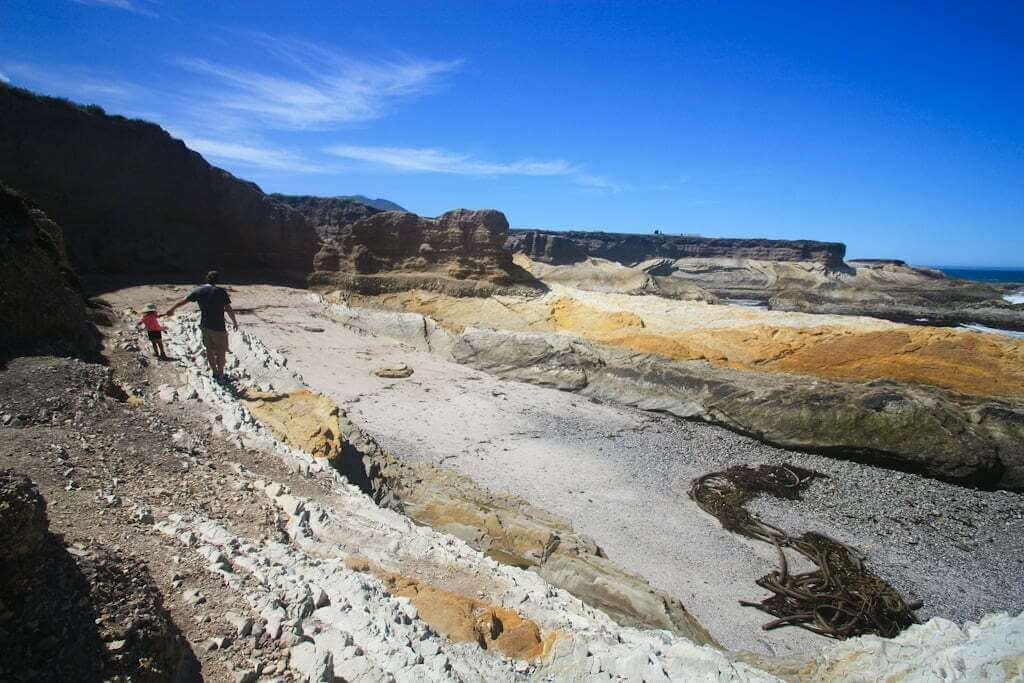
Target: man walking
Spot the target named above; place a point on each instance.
(213, 302)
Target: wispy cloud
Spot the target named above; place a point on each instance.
(4, 78)
(596, 182)
(431, 160)
(252, 154)
(322, 89)
(68, 81)
(132, 6)
(438, 161)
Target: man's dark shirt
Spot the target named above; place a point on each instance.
(212, 300)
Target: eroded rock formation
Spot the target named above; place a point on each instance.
(926, 430)
(506, 528)
(41, 303)
(302, 419)
(133, 199)
(329, 216)
(630, 249)
(611, 354)
(796, 275)
(464, 619)
(461, 252)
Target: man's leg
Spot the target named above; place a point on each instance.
(211, 358)
(221, 360)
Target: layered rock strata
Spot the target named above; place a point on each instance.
(600, 275)
(504, 527)
(41, 303)
(630, 249)
(133, 199)
(460, 252)
(786, 275)
(969, 439)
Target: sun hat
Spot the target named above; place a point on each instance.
(149, 308)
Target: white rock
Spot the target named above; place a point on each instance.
(242, 624)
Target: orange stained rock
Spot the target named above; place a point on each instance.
(303, 419)
(960, 360)
(464, 619)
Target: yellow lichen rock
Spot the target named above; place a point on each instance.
(302, 419)
(463, 619)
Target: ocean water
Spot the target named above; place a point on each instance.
(984, 274)
(993, 275)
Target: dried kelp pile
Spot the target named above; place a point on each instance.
(840, 598)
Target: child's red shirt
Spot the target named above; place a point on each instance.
(151, 322)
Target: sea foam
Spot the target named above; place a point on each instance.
(992, 330)
(1016, 297)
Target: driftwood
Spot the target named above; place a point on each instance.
(840, 598)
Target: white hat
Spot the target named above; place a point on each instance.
(149, 308)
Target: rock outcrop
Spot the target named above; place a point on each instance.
(896, 291)
(329, 216)
(560, 248)
(787, 275)
(132, 199)
(84, 615)
(944, 435)
(506, 528)
(41, 303)
(461, 252)
(600, 275)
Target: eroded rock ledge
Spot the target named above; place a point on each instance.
(506, 528)
(461, 253)
(951, 436)
(572, 246)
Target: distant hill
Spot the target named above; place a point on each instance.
(382, 204)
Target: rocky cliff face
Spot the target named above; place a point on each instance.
(133, 199)
(797, 275)
(329, 216)
(41, 304)
(460, 252)
(568, 247)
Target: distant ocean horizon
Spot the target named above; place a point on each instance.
(984, 274)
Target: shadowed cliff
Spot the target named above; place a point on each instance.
(131, 198)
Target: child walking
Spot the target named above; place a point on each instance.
(152, 324)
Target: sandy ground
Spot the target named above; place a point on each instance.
(621, 476)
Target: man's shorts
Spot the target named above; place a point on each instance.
(215, 341)
(155, 335)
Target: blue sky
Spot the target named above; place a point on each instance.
(897, 128)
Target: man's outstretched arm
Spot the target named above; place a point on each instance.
(231, 313)
(172, 309)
